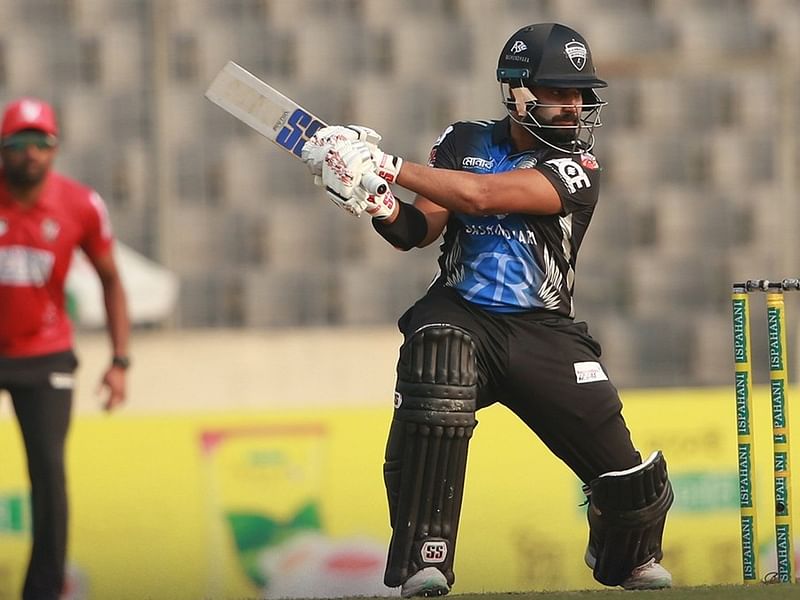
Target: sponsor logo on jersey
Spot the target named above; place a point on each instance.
(589, 371)
(475, 162)
(523, 236)
(3, 226)
(23, 266)
(432, 157)
(576, 53)
(433, 551)
(439, 140)
(50, 229)
(518, 46)
(589, 161)
(571, 173)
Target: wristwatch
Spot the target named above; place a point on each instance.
(123, 362)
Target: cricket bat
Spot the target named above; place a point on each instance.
(278, 118)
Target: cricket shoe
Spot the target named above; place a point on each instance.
(649, 576)
(428, 582)
(589, 558)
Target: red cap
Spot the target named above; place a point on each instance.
(28, 113)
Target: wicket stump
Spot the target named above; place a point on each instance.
(778, 383)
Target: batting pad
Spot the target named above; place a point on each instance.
(627, 513)
(426, 455)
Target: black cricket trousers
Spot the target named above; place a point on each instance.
(41, 392)
(547, 370)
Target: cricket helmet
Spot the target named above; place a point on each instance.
(555, 56)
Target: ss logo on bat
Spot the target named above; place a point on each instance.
(299, 127)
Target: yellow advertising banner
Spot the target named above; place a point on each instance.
(291, 503)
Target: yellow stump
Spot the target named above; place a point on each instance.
(779, 383)
(745, 438)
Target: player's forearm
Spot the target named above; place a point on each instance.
(516, 191)
(117, 320)
(457, 191)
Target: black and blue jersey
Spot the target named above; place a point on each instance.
(515, 262)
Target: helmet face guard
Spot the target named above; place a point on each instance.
(553, 56)
(525, 108)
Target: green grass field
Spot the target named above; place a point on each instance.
(717, 592)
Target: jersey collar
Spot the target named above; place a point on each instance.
(501, 133)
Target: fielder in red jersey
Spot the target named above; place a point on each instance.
(44, 217)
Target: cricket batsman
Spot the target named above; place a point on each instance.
(510, 201)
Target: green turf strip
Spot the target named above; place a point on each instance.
(716, 592)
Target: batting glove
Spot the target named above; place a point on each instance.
(342, 171)
(377, 206)
(322, 142)
(366, 135)
(387, 167)
(327, 138)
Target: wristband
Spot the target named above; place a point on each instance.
(123, 362)
(407, 230)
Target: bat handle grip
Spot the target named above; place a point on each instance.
(373, 183)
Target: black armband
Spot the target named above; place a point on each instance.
(407, 230)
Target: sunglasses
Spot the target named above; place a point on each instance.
(20, 141)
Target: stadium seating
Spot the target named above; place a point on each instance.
(698, 148)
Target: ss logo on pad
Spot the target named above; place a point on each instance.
(434, 552)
